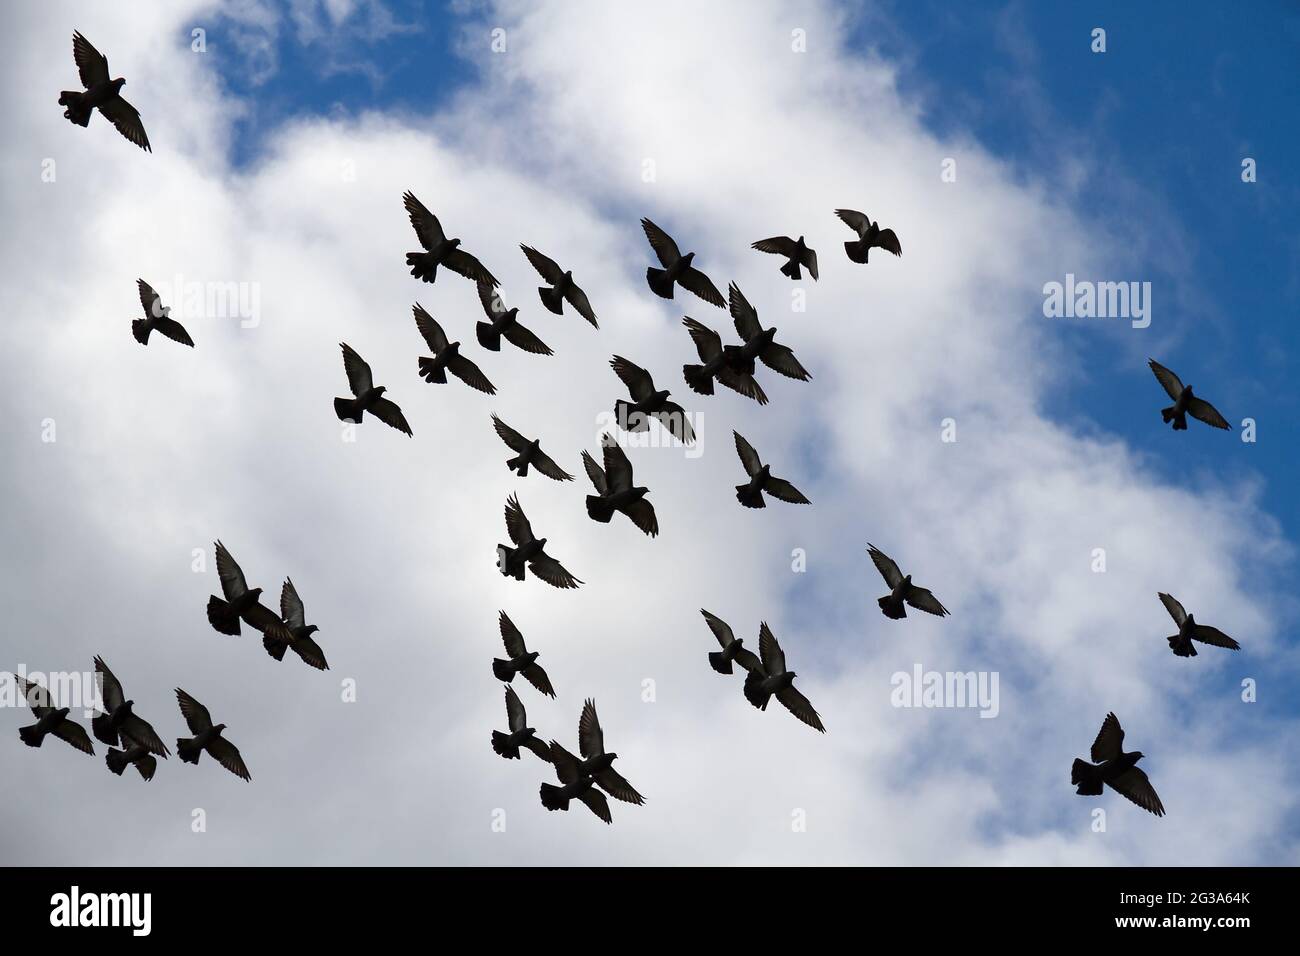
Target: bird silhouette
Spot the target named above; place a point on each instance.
(870, 236)
(529, 453)
(902, 590)
(242, 603)
(119, 722)
(596, 762)
(760, 343)
(446, 356)
(795, 251)
(521, 660)
(132, 754)
(504, 323)
(529, 551)
(750, 494)
(438, 249)
(293, 615)
(1189, 630)
(1185, 403)
(1116, 768)
(718, 364)
(101, 93)
(774, 680)
(50, 719)
(733, 648)
(520, 735)
(616, 491)
(677, 269)
(157, 318)
(207, 738)
(647, 402)
(576, 786)
(561, 286)
(367, 396)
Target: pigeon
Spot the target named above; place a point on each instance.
(294, 617)
(717, 365)
(750, 494)
(439, 250)
(530, 551)
(119, 722)
(530, 453)
(733, 648)
(369, 397)
(50, 719)
(101, 92)
(677, 269)
(1185, 403)
(207, 737)
(157, 319)
(446, 356)
(647, 403)
(1110, 764)
(504, 322)
(131, 753)
(561, 286)
(1189, 630)
(902, 590)
(241, 603)
(615, 490)
(521, 735)
(773, 679)
(598, 764)
(794, 250)
(522, 660)
(759, 342)
(870, 235)
(576, 786)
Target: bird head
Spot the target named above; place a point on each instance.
(1187, 389)
(907, 579)
(800, 243)
(63, 712)
(662, 395)
(790, 676)
(255, 593)
(119, 83)
(126, 706)
(380, 389)
(610, 758)
(688, 259)
(310, 629)
(640, 492)
(453, 243)
(219, 728)
(1138, 755)
(541, 543)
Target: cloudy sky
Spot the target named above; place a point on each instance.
(282, 145)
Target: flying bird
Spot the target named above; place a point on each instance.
(446, 356)
(870, 235)
(772, 679)
(561, 286)
(647, 403)
(132, 753)
(119, 722)
(577, 785)
(615, 490)
(439, 250)
(294, 617)
(50, 719)
(1185, 403)
(207, 737)
(156, 319)
(733, 648)
(1189, 630)
(598, 764)
(521, 735)
(677, 269)
(901, 589)
(529, 550)
(503, 322)
(750, 494)
(796, 252)
(760, 343)
(368, 397)
(101, 92)
(530, 453)
(241, 603)
(521, 659)
(718, 364)
(1115, 767)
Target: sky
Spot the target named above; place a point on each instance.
(282, 144)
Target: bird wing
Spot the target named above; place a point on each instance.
(770, 651)
(1171, 383)
(1203, 411)
(552, 572)
(640, 385)
(720, 628)
(1173, 607)
(434, 336)
(36, 695)
(887, 240)
(515, 713)
(152, 302)
(616, 785)
(521, 532)
(263, 619)
(75, 734)
(511, 636)
(779, 245)
(110, 688)
(1134, 785)
(1212, 635)
(858, 222)
(673, 417)
(661, 243)
(521, 337)
(546, 267)
(310, 652)
(227, 754)
(536, 675)
(743, 383)
(800, 706)
(885, 565)
(196, 715)
(490, 299)
(141, 731)
(743, 315)
(707, 342)
(547, 466)
(92, 66)
(566, 764)
(388, 412)
(596, 474)
(537, 747)
(642, 513)
(1110, 740)
(695, 281)
(922, 599)
(126, 118)
(233, 584)
(514, 441)
(810, 262)
(460, 261)
(469, 373)
(578, 299)
(595, 801)
(748, 456)
(783, 490)
(591, 739)
(360, 379)
(291, 609)
(748, 660)
(425, 223)
(618, 469)
(779, 358)
(173, 330)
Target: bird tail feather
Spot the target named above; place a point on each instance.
(430, 372)
(147, 765)
(222, 616)
(552, 299)
(791, 269)
(754, 692)
(659, 282)
(750, 497)
(719, 663)
(348, 411)
(519, 466)
(552, 799)
(698, 379)
(857, 250)
(502, 670)
(274, 646)
(186, 750)
(628, 418)
(1086, 778)
(598, 509)
(502, 745)
(422, 266)
(101, 725)
(116, 760)
(895, 610)
(1181, 649)
(487, 336)
(140, 329)
(31, 736)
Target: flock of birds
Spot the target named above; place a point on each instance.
(587, 776)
